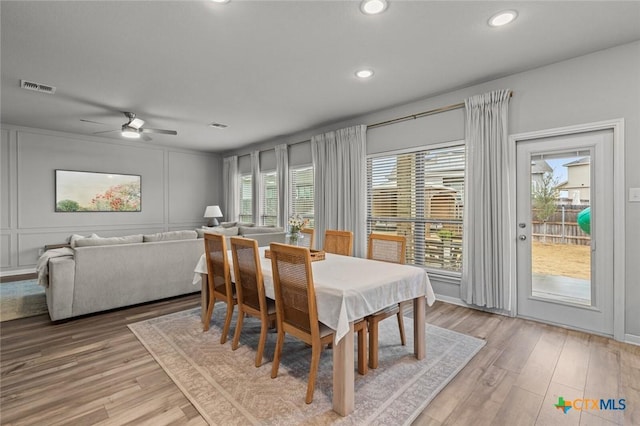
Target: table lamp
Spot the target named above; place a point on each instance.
(213, 212)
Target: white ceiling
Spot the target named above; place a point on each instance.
(271, 68)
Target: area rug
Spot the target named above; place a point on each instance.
(21, 299)
(227, 389)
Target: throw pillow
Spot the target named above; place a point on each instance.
(170, 236)
(89, 242)
(75, 237)
(219, 230)
(248, 224)
(244, 230)
(228, 224)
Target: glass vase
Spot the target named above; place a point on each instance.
(294, 238)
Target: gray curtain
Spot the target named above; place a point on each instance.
(255, 186)
(230, 188)
(282, 171)
(489, 237)
(340, 184)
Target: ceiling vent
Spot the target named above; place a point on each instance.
(37, 87)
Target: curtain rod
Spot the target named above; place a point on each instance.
(421, 114)
(408, 117)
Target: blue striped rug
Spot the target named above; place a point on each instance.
(21, 299)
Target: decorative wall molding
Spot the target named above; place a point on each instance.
(177, 185)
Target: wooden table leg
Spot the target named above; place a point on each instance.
(204, 298)
(343, 376)
(419, 343)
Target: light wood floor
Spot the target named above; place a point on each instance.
(92, 370)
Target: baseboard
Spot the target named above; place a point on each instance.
(628, 338)
(452, 300)
(632, 339)
(15, 272)
(460, 302)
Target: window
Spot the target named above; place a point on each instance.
(420, 195)
(246, 192)
(269, 202)
(301, 197)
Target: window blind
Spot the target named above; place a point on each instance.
(269, 202)
(420, 195)
(246, 193)
(301, 196)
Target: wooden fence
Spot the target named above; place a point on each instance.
(559, 231)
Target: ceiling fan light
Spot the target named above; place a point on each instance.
(130, 133)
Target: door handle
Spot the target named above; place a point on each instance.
(522, 237)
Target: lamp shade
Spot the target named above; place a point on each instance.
(213, 211)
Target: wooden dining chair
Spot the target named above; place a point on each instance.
(219, 280)
(341, 242)
(250, 291)
(308, 235)
(338, 242)
(386, 248)
(296, 308)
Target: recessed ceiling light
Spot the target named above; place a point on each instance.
(503, 18)
(220, 1)
(366, 73)
(372, 7)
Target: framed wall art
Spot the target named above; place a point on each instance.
(97, 192)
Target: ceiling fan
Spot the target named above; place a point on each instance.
(133, 128)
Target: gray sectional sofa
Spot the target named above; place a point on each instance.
(97, 274)
(99, 277)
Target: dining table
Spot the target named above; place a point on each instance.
(347, 290)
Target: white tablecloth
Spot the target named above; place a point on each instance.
(350, 288)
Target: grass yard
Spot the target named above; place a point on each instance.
(561, 259)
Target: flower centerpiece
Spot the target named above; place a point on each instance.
(296, 223)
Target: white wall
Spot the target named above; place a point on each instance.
(176, 187)
(601, 86)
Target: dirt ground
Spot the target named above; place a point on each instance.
(561, 259)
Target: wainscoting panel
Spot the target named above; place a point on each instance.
(177, 185)
(5, 250)
(40, 155)
(5, 181)
(194, 182)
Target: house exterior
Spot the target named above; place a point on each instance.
(538, 169)
(578, 184)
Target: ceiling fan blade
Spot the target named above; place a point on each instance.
(93, 122)
(161, 131)
(146, 138)
(106, 131)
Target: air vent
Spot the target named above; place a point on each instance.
(218, 125)
(37, 87)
